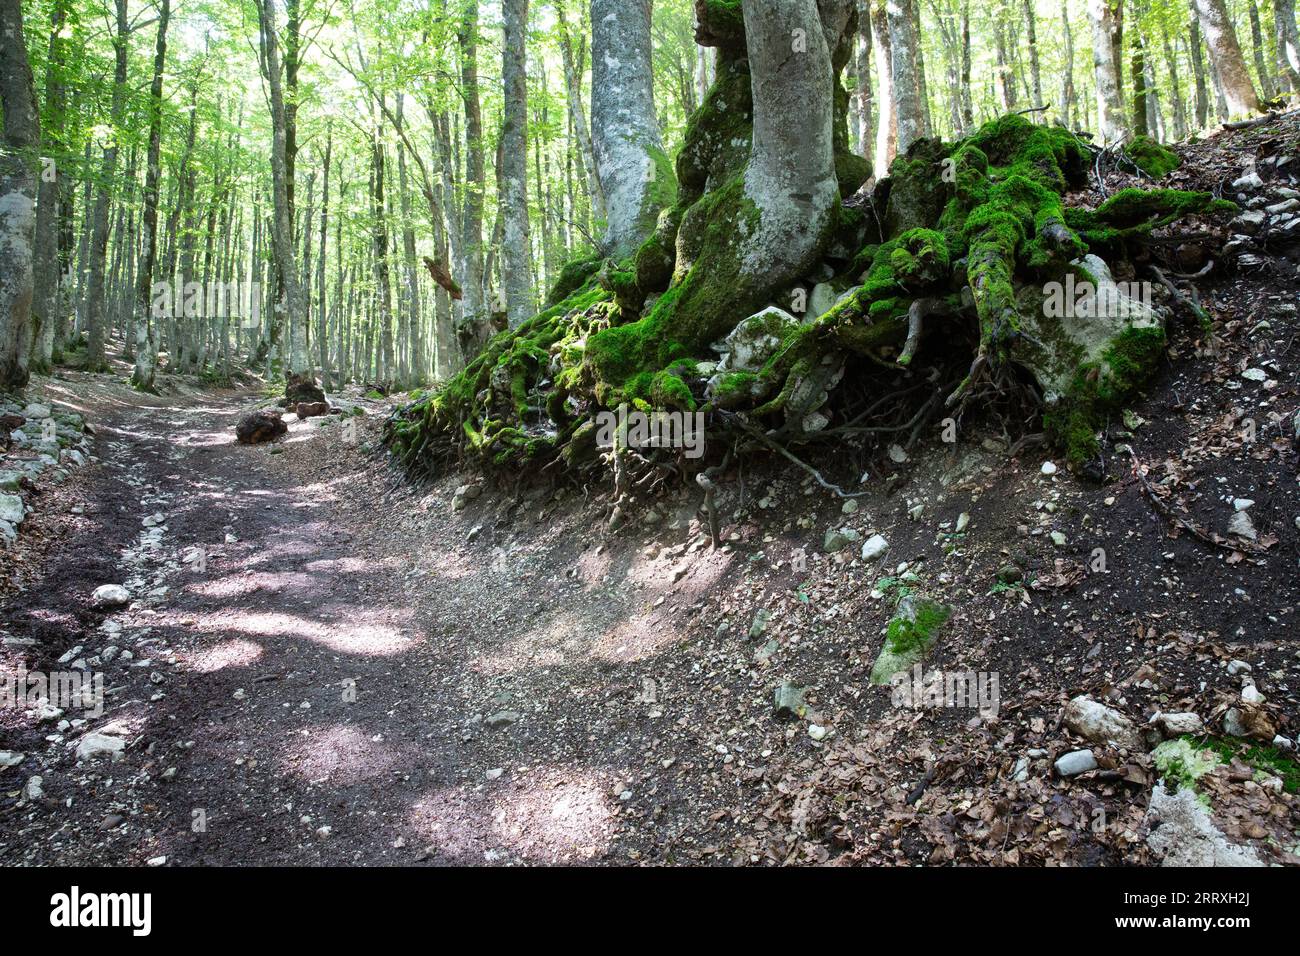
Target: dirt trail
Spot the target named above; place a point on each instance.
(295, 709)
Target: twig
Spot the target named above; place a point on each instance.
(788, 455)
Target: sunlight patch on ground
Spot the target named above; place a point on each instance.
(338, 754)
(233, 653)
(364, 633)
(542, 815)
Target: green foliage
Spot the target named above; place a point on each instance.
(1150, 157)
(908, 635)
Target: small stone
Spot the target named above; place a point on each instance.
(837, 539)
(34, 789)
(1241, 504)
(1254, 375)
(1250, 695)
(1232, 723)
(494, 773)
(963, 522)
(110, 595)
(1075, 763)
(1175, 725)
(10, 758)
(99, 745)
(1020, 772)
(874, 548)
(1058, 539)
(788, 700)
(11, 509)
(1236, 667)
(817, 731)
(503, 718)
(1048, 469)
(897, 455)
(1241, 526)
(1101, 724)
(759, 625)
(849, 507)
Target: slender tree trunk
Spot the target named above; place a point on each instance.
(1067, 73)
(1034, 68)
(18, 163)
(1103, 17)
(1178, 105)
(1258, 52)
(866, 121)
(887, 120)
(967, 100)
(515, 259)
(475, 174)
(146, 339)
(95, 295)
(1288, 43)
(299, 362)
(635, 174)
(322, 309)
(1138, 68)
(48, 303)
(1198, 72)
(1225, 52)
(578, 115)
(903, 43)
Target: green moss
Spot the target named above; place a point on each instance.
(572, 278)
(1101, 389)
(1152, 158)
(851, 170)
(1265, 758)
(1133, 213)
(1182, 763)
(906, 635)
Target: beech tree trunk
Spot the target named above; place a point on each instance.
(1103, 18)
(635, 173)
(1288, 43)
(18, 162)
(475, 175)
(887, 116)
(904, 44)
(516, 263)
(146, 339)
(48, 305)
(1229, 64)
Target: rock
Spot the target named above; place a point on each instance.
(110, 596)
(259, 426)
(312, 409)
(837, 539)
(1058, 539)
(897, 455)
(1236, 667)
(963, 522)
(822, 300)
(1241, 526)
(1233, 724)
(1010, 574)
(1175, 725)
(1101, 724)
(153, 520)
(34, 789)
(10, 758)
(300, 389)
(1020, 772)
(1254, 375)
(494, 773)
(874, 548)
(1048, 469)
(99, 745)
(1182, 833)
(817, 731)
(1075, 763)
(36, 412)
(759, 625)
(756, 339)
(1250, 695)
(11, 480)
(788, 700)
(849, 507)
(8, 534)
(11, 509)
(503, 718)
(1241, 504)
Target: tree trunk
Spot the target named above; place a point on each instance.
(48, 303)
(95, 294)
(18, 163)
(1034, 68)
(578, 116)
(1067, 73)
(887, 118)
(1258, 52)
(1138, 64)
(1288, 43)
(1110, 110)
(1198, 72)
(475, 174)
(516, 264)
(866, 121)
(146, 338)
(1229, 64)
(299, 361)
(635, 173)
(1178, 106)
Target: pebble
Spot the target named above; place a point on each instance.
(1076, 762)
(1048, 469)
(817, 731)
(874, 548)
(110, 595)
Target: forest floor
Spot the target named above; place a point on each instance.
(363, 672)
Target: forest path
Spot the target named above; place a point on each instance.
(294, 709)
